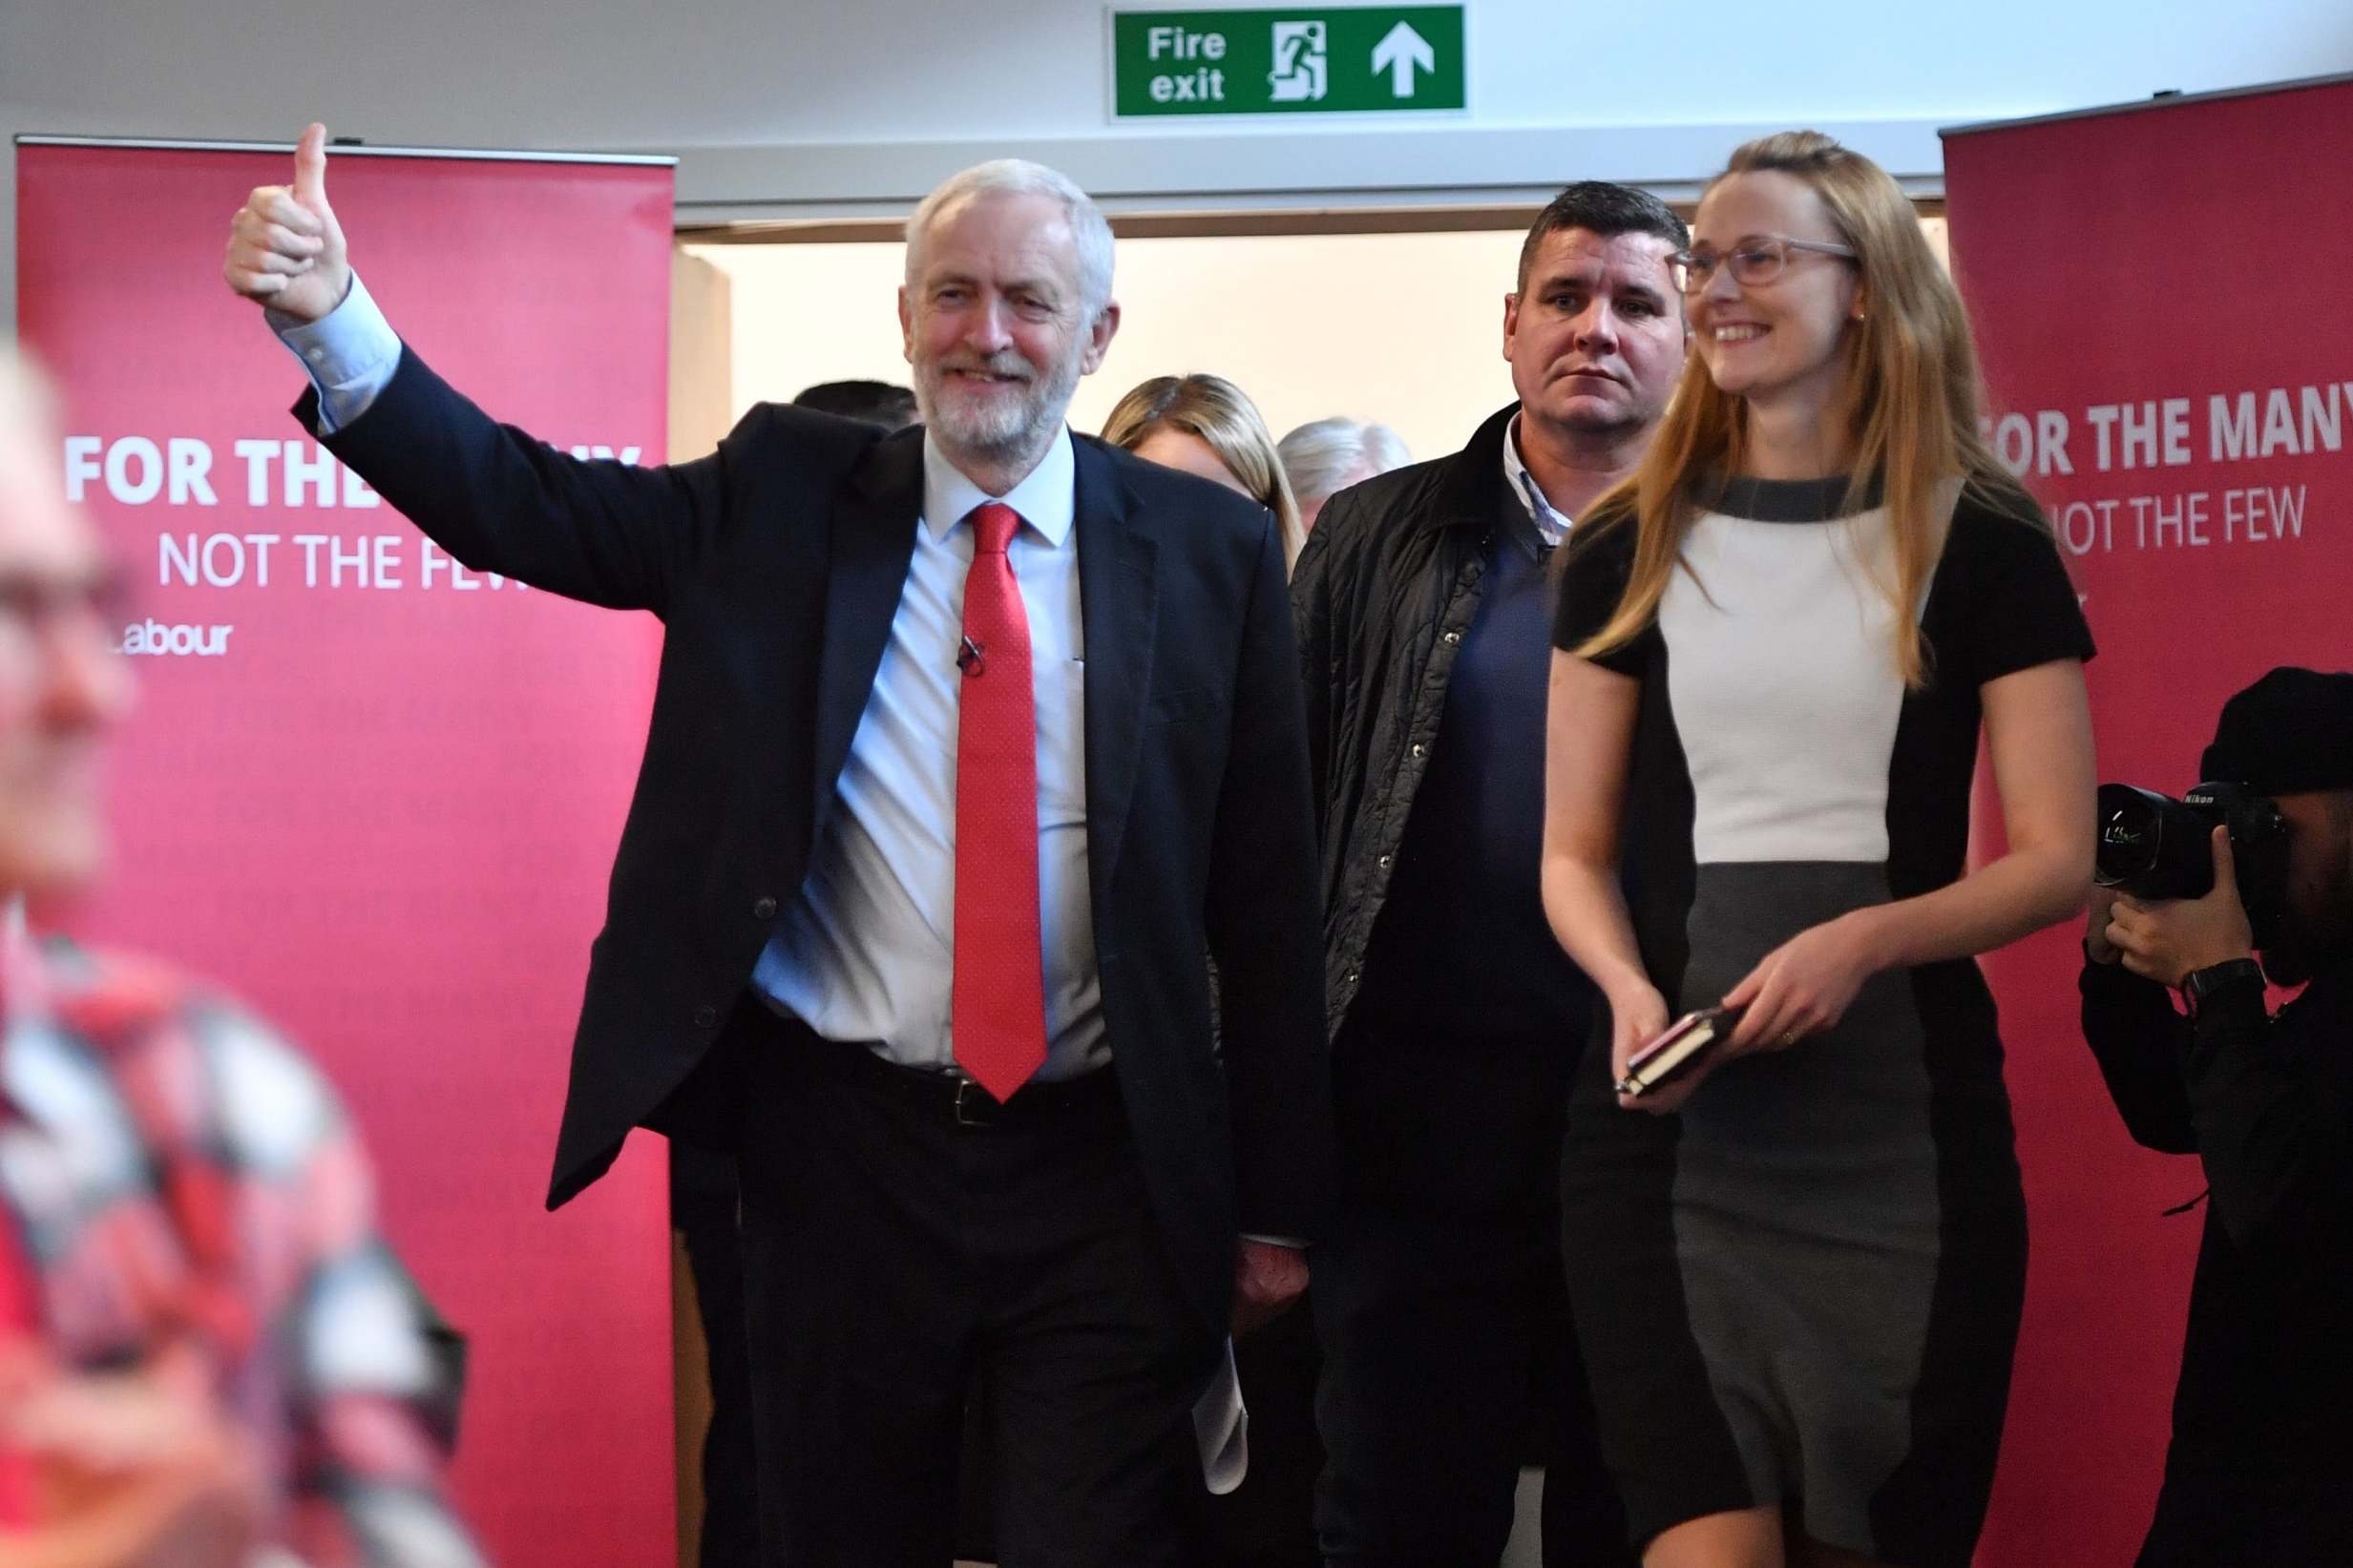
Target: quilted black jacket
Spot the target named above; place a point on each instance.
(1381, 598)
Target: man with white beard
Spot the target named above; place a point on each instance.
(970, 743)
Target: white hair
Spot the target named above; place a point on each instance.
(1331, 455)
(1019, 176)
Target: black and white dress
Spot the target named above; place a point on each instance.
(1804, 1289)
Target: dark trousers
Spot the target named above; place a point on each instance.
(895, 1261)
(1449, 1357)
(1269, 1521)
(2279, 1511)
(702, 1212)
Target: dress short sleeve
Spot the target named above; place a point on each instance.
(2014, 606)
(1593, 570)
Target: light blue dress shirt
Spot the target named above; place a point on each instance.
(867, 950)
(1551, 523)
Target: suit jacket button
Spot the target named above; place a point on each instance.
(705, 1015)
(764, 909)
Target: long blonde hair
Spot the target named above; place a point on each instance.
(1912, 390)
(1221, 414)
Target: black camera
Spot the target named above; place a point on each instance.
(2153, 846)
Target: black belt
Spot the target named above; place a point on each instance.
(959, 1099)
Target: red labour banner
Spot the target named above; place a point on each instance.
(369, 790)
(2159, 296)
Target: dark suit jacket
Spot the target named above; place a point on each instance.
(776, 565)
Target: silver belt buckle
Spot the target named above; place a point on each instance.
(983, 1108)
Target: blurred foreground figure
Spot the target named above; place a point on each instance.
(207, 1359)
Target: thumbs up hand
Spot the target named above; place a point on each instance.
(285, 248)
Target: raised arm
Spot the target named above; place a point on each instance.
(498, 500)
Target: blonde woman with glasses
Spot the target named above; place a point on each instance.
(1800, 1264)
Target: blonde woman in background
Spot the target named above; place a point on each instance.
(1802, 1268)
(1205, 424)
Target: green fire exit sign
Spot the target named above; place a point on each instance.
(1316, 59)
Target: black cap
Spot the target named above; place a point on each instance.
(2289, 733)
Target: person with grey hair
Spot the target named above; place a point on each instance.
(1090, 232)
(1325, 456)
(973, 745)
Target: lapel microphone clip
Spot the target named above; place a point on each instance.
(972, 658)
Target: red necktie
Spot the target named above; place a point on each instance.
(998, 1018)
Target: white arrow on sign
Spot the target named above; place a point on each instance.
(1399, 51)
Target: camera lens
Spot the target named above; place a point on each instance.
(2153, 846)
(2132, 832)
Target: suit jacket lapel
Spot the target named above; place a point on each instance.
(873, 540)
(1119, 608)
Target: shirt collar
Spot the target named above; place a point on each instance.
(1046, 498)
(1516, 478)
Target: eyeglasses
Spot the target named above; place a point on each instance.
(1756, 262)
(36, 612)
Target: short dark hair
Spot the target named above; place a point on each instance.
(1605, 211)
(875, 402)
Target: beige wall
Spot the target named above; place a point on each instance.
(1402, 327)
(1406, 328)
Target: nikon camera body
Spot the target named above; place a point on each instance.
(2155, 846)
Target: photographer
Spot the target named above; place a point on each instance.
(2259, 1465)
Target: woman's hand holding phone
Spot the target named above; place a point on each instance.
(1637, 1016)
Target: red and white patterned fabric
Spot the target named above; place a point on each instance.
(178, 1178)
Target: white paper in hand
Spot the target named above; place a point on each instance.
(1222, 1425)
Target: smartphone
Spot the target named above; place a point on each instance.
(1686, 1042)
